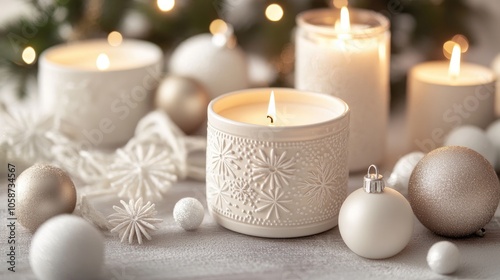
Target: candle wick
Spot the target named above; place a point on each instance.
(271, 118)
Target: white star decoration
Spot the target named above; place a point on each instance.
(26, 135)
(142, 171)
(134, 219)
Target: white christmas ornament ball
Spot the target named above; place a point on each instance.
(493, 133)
(401, 173)
(189, 213)
(376, 222)
(219, 69)
(443, 257)
(67, 247)
(473, 138)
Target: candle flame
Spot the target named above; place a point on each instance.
(345, 22)
(271, 109)
(165, 5)
(454, 70)
(102, 62)
(29, 55)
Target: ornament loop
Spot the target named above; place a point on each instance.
(376, 171)
(373, 182)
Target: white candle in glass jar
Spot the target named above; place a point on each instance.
(441, 97)
(285, 178)
(99, 92)
(351, 61)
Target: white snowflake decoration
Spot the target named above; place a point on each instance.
(142, 172)
(134, 220)
(26, 135)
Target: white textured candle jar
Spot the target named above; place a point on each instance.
(351, 63)
(99, 92)
(438, 102)
(285, 179)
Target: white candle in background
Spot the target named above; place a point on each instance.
(443, 95)
(100, 91)
(349, 58)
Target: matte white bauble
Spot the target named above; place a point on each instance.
(401, 173)
(376, 222)
(443, 257)
(219, 69)
(67, 247)
(493, 133)
(473, 138)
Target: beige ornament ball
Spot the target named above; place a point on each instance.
(454, 191)
(43, 191)
(184, 100)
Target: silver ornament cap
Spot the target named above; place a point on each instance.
(373, 182)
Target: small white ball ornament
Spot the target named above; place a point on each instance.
(493, 133)
(43, 191)
(220, 69)
(67, 247)
(184, 100)
(376, 222)
(443, 257)
(473, 138)
(189, 213)
(454, 191)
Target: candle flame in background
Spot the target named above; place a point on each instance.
(102, 62)
(274, 12)
(271, 109)
(115, 38)
(29, 55)
(345, 22)
(165, 5)
(454, 70)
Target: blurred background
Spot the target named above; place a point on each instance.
(263, 29)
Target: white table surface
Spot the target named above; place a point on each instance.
(212, 252)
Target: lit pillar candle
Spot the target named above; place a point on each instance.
(99, 90)
(346, 54)
(443, 95)
(277, 171)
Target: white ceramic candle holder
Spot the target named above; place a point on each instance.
(283, 180)
(352, 65)
(99, 107)
(437, 103)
